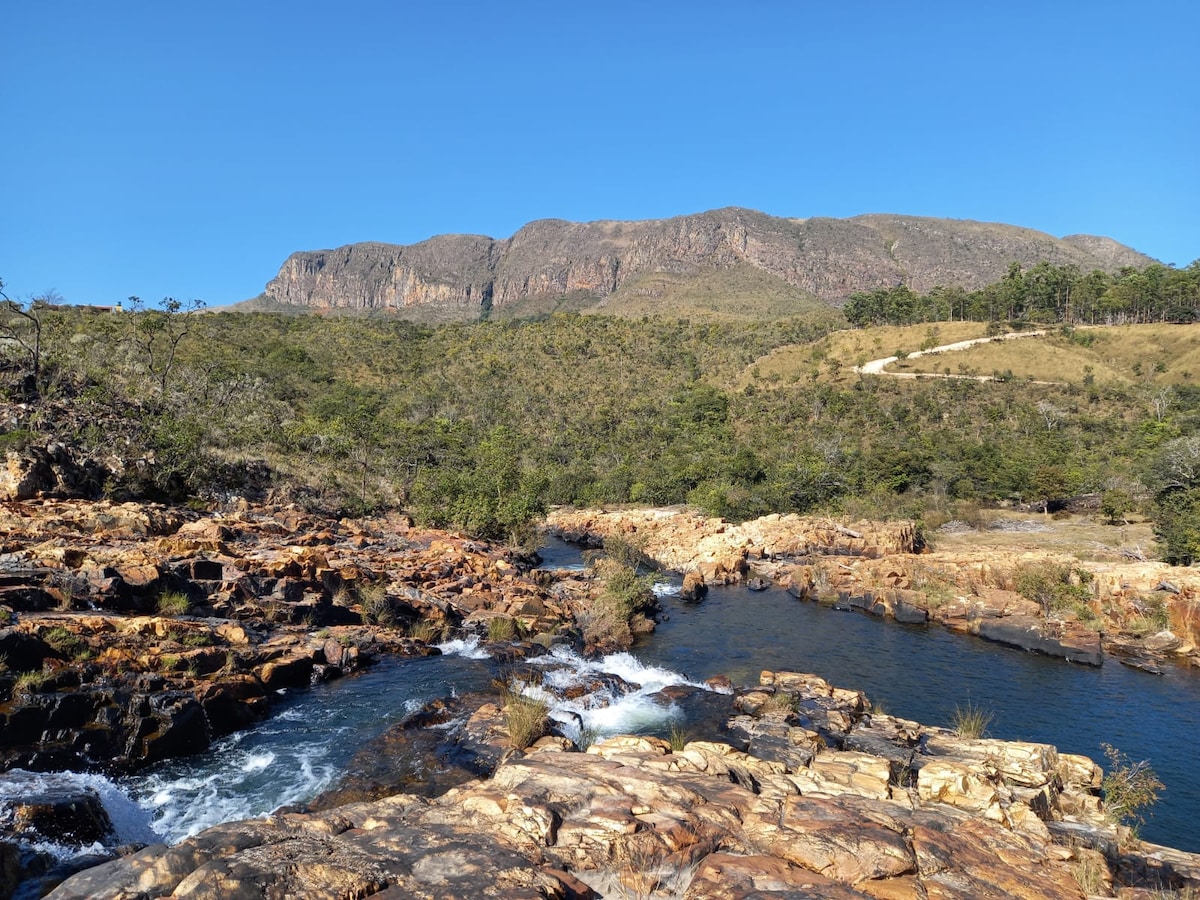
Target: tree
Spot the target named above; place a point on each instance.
(157, 334)
(22, 324)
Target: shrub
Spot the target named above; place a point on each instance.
(970, 721)
(1128, 788)
(173, 603)
(1055, 587)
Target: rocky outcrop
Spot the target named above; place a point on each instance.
(885, 569)
(795, 805)
(465, 276)
(132, 632)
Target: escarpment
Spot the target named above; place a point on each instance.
(599, 263)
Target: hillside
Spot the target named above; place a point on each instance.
(724, 262)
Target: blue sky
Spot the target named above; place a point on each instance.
(186, 149)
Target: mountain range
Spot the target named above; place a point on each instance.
(733, 262)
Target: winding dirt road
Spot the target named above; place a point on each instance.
(879, 366)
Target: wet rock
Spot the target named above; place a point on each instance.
(74, 817)
(1029, 633)
(694, 589)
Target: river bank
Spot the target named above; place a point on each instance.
(1084, 606)
(305, 594)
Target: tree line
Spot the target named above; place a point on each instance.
(1043, 294)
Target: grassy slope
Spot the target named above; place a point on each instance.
(1165, 354)
(1115, 355)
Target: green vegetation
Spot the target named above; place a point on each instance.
(1055, 587)
(64, 642)
(502, 628)
(1129, 788)
(173, 603)
(525, 718)
(970, 721)
(29, 682)
(1044, 294)
(481, 427)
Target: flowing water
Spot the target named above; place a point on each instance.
(914, 672)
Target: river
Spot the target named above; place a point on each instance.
(914, 672)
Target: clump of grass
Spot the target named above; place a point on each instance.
(502, 628)
(426, 630)
(29, 682)
(173, 603)
(1090, 873)
(198, 639)
(376, 606)
(970, 722)
(678, 738)
(781, 703)
(1128, 788)
(6, 615)
(65, 642)
(525, 718)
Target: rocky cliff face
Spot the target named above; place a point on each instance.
(465, 276)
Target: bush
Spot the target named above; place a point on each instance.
(1128, 788)
(1055, 587)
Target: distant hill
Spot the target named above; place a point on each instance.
(726, 262)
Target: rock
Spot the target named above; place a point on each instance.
(694, 588)
(1030, 633)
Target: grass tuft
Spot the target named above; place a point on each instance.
(970, 722)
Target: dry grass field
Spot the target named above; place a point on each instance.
(1123, 354)
(1149, 355)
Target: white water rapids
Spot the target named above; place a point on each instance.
(305, 745)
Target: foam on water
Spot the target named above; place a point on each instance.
(131, 823)
(666, 589)
(624, 706)
(465, 647)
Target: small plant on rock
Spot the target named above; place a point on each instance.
(1128, 788)
(29, 682)
(426, 630)
(376, 606)
(502, 628)
(970, 722)
(64, 642)
(173, 603)
(525, 718)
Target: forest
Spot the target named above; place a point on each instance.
(481, 427)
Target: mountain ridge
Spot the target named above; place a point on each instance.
(606, 263)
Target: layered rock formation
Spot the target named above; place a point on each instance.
(465, 276)
(883, 569)
(92, 673)
(812, 795)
